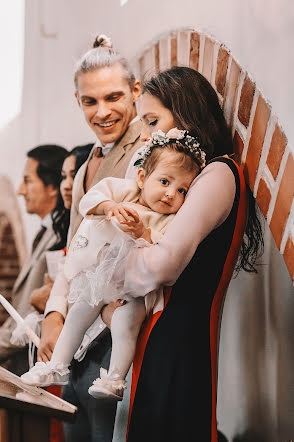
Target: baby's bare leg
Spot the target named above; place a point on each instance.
(125, 326)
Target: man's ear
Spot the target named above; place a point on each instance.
(78, 99)
(141, 178)
(137, 90)
(52, 191)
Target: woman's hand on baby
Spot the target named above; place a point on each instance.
(108, 310)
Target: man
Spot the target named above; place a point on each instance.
(106, 91)
(40, 187)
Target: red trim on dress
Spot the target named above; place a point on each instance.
(140, 349)
(220, 292)
(56, 428)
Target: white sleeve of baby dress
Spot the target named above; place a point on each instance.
(113, 189)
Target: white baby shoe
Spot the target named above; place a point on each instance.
(108, 387)
(43, 374)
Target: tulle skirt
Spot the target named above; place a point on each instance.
(104, 281)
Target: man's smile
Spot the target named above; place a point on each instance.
(108, 124)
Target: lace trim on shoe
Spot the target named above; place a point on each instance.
(49, 367)
(112, 381)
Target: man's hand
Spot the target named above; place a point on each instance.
(108, 310)
(51, 329)
(40, 296)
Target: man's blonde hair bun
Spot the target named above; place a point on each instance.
(102, 41)
(103, 55)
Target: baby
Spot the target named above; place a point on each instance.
(119, 214)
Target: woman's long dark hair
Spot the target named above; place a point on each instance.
(195, 107)
(61, 215)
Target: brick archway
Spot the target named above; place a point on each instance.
(265, 155)
(12, 240)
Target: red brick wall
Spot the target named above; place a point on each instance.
(13, 249)
(9, 262)
(259, 140)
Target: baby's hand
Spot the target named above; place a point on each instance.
(128, 217)
(120, 211)
(136, 227)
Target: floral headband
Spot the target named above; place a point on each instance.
(160, 138)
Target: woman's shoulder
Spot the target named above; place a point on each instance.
(219, 170)
(222, 171)
(224, 163)
(215, 187)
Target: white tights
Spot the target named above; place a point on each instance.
(125, 326)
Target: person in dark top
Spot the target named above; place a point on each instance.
(174, 382)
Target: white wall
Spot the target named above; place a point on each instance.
(260, 35)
